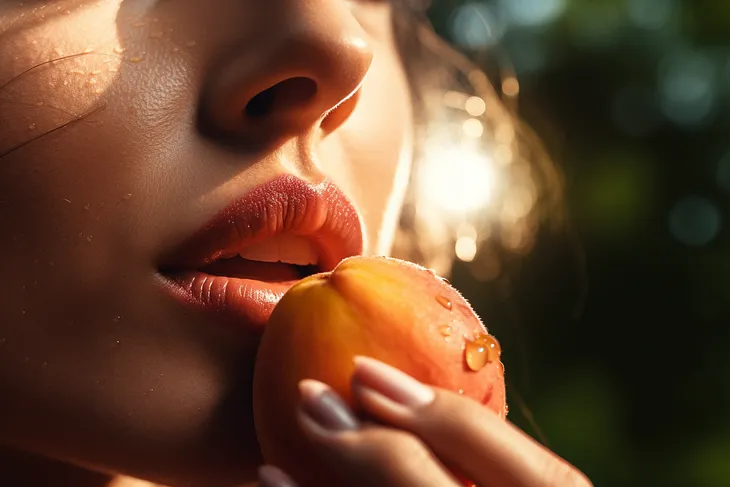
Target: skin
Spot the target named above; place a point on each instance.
(413, 431)
(99, 369)
(97, 365)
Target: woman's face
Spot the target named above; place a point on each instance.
(126, 340)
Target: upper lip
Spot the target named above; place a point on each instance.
(321, 213)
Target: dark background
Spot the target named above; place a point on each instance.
(617, 347)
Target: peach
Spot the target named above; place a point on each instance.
(388, 309)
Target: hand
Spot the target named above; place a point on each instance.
(419, 430)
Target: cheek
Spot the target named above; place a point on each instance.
(375, 144)
(79, 334)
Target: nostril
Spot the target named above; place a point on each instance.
(261, 104)
(283, 96)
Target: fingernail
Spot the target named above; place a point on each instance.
(273, 477)
(392, 383)
(326, 407)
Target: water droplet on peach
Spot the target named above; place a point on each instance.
(444, 301)
(480, 351)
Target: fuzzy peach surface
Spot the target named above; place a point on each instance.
(388, 309)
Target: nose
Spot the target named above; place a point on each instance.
(300, 74)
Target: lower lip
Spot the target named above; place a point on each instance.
(247, 303)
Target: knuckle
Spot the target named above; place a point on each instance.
(559, 473)
(391, 451)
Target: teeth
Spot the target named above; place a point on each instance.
(289, 249)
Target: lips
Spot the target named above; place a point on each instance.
(230, 267)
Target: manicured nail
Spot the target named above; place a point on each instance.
(325, 407)
(273, 477)
(392, 383)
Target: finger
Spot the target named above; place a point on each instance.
(365, 455)
(461, 432)
(270, 476)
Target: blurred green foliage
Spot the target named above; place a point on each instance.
(632, 99)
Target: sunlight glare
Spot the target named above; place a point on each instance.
(457, 180)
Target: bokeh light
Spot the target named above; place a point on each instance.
(533, 13)
(688, 87)
(632, 100)
(475, 106)
(695, 221)
(477, 25)
(465, 248)
(510, 86)
(473, 127)
(474, 187)
(651, 14)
